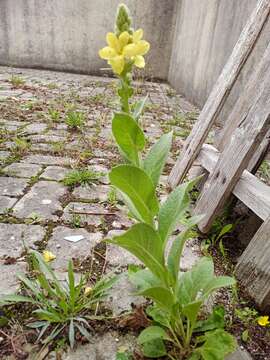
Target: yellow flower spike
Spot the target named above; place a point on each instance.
(87, 290)
(137, 35)
(48, 256)
(113, 42)
(263, 320)
(107, 53)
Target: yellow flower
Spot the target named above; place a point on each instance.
(48, 256)
(263, 320)
(87, 290)
(125, 48)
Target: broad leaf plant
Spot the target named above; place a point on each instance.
(177, 330)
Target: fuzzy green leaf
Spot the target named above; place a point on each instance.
(173, 209)
(144, 242)
(137, 191)
(138, 108)
(157, 156)
(217, 345)
(129, 136)
(152, 333)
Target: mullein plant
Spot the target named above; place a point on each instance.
(178, 329)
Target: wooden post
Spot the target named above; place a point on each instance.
(220, 92)
(235, 159)
(253, 268)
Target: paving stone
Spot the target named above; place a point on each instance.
(12, 186)
(47, 138)
(103, 347)
(9, 283)
(12, 125)
(47, 160)
(120, 298)
(56, 173)
(90, 209)
(35, 128)
(14, 238)
(23, 170)
(42, 200)
(66, 250)
(4, 154)
(6, 203)
(92, 192)
(117, 256)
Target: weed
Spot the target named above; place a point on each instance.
(76, 221)
(112, 198)
(58, 147)
(17, 81)
(52, 86)
(21, 146)
(33, 219)
(246, 315)
(54, 114)
(264, 171)
(81, 177)
(59, 307)
(75, 119)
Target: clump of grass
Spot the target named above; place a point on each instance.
(75, 119)
(54, 114)
(17, 81)
(60, 308)
(81, 177)
(21, 146)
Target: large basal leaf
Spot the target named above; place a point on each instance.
(192, 282)
(157, 156)
(152, 333)
(191, 311)
(161, 295)
(200, 281)
(137, 190)
(173, 209)
(142, 279)
(217, 345)
(129, 136)
(154, 349)
(214, 321)
(143, 241)
(158, 315)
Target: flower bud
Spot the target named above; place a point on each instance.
(123, 20)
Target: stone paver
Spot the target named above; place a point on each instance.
(12, 186)
(56, 173)
(66, 250)
(92, 192)
(103, 347)
(88, 213)
(47, 160)
(42, 200)
(15, 237)
(3, 155)
(9, 283)
(35, 128)
(22, 170)
(6, 203)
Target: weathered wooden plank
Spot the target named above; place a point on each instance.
(220, 92)
(249, 189)
(253, 268)
(235, 159)
(244, 102)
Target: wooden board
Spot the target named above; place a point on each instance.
(249, 189)
(244, 103)
(220, 92)
(235, 159)
(253, 268)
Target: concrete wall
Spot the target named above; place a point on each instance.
(67, 34)
(191, 39)
(205, 34)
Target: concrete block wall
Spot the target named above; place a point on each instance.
(67, 34)
(191, 40)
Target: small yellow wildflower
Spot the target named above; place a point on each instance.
(87, 290)
(263, 320)
(48, 256)
(125, 48)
